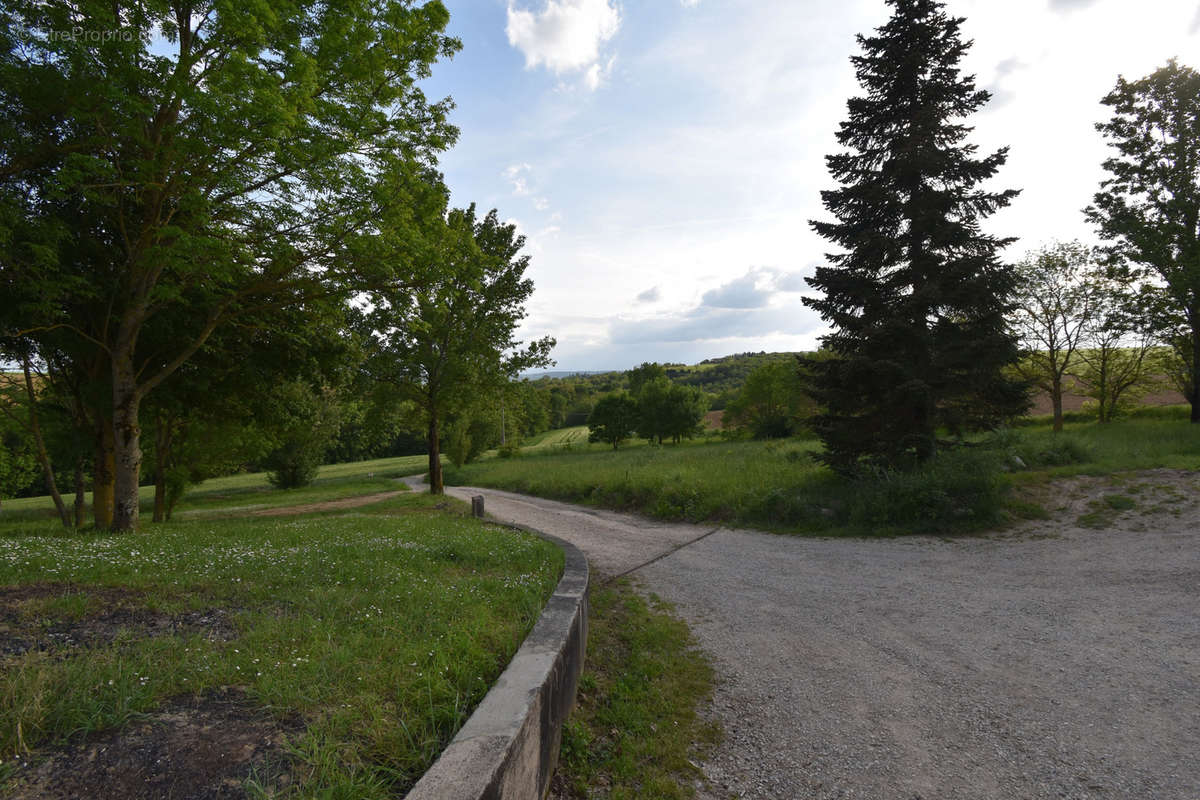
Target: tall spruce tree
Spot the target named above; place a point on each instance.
(917, 297)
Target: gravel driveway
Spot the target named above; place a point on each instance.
(1051, 661)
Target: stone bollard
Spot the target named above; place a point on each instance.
(477, 506)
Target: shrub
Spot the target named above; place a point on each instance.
(294, 465)
(1027, 452)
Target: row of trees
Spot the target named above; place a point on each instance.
(921, 304)
(654, 408)
(188, 231)
(1085, 330)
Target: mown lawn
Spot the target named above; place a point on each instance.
(379, 630)
(252, 490)
(777, 485)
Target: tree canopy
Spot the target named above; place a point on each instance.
(450, 340)
(272, 155)
(1148, 206)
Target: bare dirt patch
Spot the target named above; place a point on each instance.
(1133, 502)
(193, 748)
(59, 617)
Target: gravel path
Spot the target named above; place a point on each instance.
(1054, 661)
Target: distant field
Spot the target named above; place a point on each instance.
(776, 485)
(558, 439)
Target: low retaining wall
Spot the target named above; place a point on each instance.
(509, 747)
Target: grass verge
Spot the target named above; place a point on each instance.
(636, 731)
(381, 629)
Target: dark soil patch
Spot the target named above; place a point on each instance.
(28, 620)
(193, 748)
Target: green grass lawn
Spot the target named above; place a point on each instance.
(380, 629)
(636, 731)
(252, 490)
(776, 485)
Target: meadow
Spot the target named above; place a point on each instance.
(368, 636)
(252, 491)
(778, 486)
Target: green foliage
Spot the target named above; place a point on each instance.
(669, 411)
(772, 404)
(202, 170)
(450, 340)
(1057, 304)
(310, 423)
(1149, 201)
(917, 295)
(640, 376)
(18, 463)
(614, 419)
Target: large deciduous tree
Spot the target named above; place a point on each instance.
(451, 339)
(1148, 207)
(771, 404)
(917, 296)
(203, 158)
(1057, 306)
(614, 419)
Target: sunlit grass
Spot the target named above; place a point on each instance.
(382, 628)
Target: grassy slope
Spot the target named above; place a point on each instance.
(382, 628)
(253, 490)
(776, 485)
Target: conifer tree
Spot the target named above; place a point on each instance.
(917, 296)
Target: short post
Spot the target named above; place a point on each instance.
(477, 506)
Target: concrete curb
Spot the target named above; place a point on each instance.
(507, 750)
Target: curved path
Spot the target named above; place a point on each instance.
(1047, 666)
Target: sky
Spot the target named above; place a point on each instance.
(663, 157)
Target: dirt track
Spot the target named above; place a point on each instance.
(1050, 661)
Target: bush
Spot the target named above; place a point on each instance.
(293, 465)
(957, 489)
(1027, 452)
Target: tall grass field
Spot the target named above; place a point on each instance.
(777, 485)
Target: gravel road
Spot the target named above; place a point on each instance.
(1052, 661)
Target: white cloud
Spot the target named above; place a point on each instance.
(651, 295)
(689, 3)
(517, 175)
(565, 36)
(597, 74)
(541, 203)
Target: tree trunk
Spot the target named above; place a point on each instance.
(80, 492)
(102, 474)
(435, 457)
(1056, 399)
(127, 451)
(43, 456)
